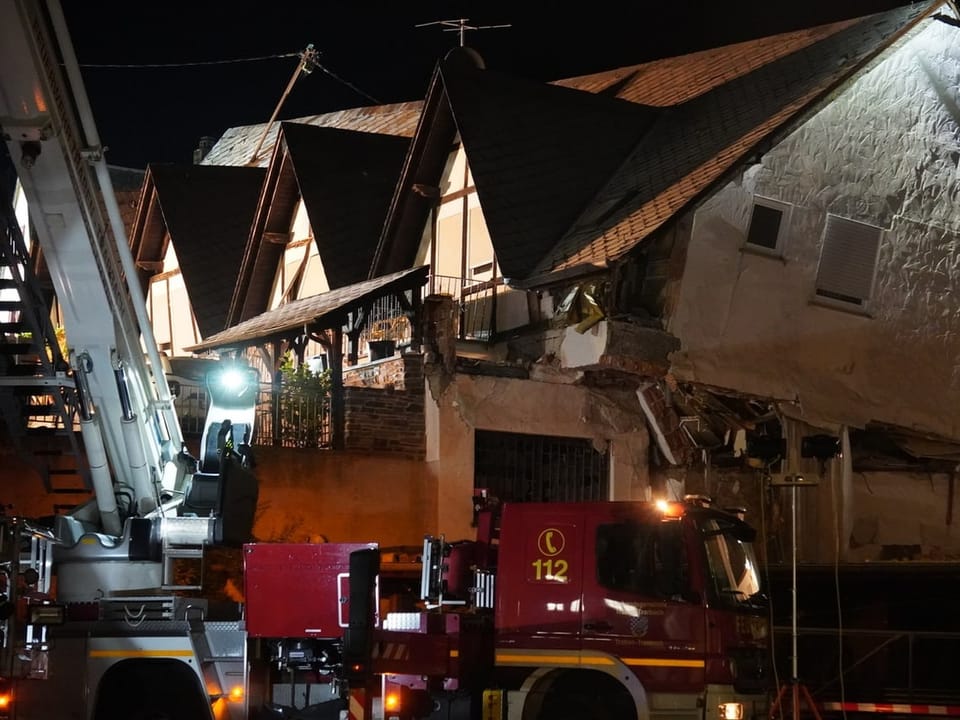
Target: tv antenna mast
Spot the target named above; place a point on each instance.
(460, 26)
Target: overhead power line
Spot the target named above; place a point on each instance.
(313, 64)
(187, 64)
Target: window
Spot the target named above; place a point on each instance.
(645, 557)
(539, 468)
(848, 261)
(734, 578)
(768, 225)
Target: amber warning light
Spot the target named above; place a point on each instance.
(391, 703)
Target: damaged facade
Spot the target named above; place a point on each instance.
(656, 280)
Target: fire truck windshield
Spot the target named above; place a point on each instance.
(734, 576)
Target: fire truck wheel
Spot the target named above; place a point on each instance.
(586, 695)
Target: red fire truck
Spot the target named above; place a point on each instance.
(624, 610)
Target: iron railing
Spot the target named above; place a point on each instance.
(876, 666)
(287, 420)
(476, 303)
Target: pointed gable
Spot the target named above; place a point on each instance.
(538, 153)
(207, 211)
(346, 180)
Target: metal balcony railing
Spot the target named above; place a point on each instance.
(476, 303)
(287, 420)
(300, 420)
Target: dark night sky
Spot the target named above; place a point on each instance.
(149, 114)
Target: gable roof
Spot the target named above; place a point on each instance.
(525, 141)
(311, 314)
(207, 212)
(698, 141)
(699, 117)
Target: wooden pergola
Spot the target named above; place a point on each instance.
(325, 318)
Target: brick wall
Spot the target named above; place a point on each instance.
(384, 406)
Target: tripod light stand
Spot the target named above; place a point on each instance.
(795, 687)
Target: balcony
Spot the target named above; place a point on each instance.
(476, 303)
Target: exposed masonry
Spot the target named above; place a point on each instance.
(384, 408)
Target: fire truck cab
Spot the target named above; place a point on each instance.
(627, 610)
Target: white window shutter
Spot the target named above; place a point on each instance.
(848, 260)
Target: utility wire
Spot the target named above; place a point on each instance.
(348, 84)
(187, 64)
(325, 69)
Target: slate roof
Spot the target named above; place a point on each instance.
(207, 212)
(696, 142)
(540, 150)
(346, 179)
(574, 174)
(674, 80)
(316, 313)
(571, 175)
(236, 145)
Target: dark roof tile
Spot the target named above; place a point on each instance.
(538, 154)
(317, 312)
(346, 180)
(695, 143)
(208, 212)
(237, 145)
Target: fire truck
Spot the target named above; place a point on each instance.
(626, 610)
(615, 610)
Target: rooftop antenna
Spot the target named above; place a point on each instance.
(307, 64)
(460, 26)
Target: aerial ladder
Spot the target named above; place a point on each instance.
(120, 633)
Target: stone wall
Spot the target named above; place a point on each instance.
(384, 408)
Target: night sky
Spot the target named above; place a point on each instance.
(373, 51)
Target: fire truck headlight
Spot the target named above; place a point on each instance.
(731, 711)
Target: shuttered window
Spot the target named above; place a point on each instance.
(848, 260)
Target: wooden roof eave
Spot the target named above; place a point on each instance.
(408, 208)
(332, 317)
(252, 250)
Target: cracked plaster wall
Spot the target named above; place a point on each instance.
(885, 152)
(611, 419)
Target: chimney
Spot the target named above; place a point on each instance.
(206, 143)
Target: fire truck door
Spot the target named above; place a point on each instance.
(638, 603)
(540, 583)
